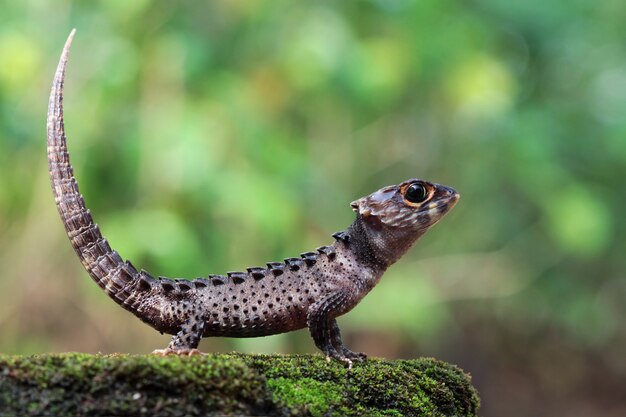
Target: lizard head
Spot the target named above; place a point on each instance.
(394, 217)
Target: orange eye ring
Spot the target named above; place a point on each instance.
(416, 193)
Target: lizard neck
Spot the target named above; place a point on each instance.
(364, 248)
(377, 246)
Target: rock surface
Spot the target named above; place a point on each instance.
(230, 384)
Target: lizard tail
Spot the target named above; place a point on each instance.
(114, 275)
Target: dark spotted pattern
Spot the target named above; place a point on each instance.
(306, 291)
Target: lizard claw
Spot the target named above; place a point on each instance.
(359, 356)
(180, 352)
(162, 352)
(342, 357)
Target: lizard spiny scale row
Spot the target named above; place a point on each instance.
(237, 277)
(310, 258)
(200, 283)
(294, 264)
(145, 281)
(341, 236)
(329, 251)
(183, 284)
(167, 284)
(276, 268)
(257, 272)
(311, 290)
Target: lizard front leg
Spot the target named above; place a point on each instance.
(324, 329)
(337, 343)
(185, 342)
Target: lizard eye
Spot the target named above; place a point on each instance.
(416, 193)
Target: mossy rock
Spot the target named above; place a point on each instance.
(230, 384)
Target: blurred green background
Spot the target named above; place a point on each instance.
(211, 136)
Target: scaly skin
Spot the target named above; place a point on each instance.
(309, 291)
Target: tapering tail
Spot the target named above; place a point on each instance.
(105, 266)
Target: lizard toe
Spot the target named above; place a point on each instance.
(163, 352)
(341, 357)
(359, 356)
(180, 352)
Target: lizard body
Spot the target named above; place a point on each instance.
(308, 291)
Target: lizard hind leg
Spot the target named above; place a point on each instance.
(185, 342)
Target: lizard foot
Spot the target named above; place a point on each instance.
(358, 356)
(180, 352)
(342, 357)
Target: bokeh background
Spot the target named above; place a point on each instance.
(211, 136)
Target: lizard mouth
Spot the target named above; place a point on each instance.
(443, 203)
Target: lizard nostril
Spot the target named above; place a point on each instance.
(450, 191)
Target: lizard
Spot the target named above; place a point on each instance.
(311, 290)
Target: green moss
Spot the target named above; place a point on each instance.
(305, 394)
(426, 387)
(234, 384)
